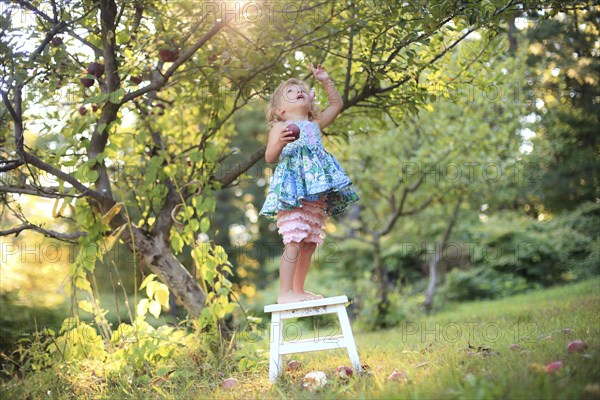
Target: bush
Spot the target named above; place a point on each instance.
(482, 283)
(543, 252)
(17, 320)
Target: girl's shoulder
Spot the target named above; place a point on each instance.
(276, 125)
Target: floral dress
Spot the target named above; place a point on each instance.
(306, 172)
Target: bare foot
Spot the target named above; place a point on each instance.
(290, 296)
(312, 295)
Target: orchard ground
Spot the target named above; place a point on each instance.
(475, 350)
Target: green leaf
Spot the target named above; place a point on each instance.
(150, 289)
(122, 37)
(176, 243)
(154, 309)
(147, 280)
(83, 284)
(93, 176)
(204, 225)
(85, 306)
(142, 307)
(162, 295)
(116, 96)
(170, 170)
(96, 99)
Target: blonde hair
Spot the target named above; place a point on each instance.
(275, 102)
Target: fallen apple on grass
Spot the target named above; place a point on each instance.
(344, 372)
(230, 383)
(396, 376)
(553, 366)
(576, 346)
(294, 364)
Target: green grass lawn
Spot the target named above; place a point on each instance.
(432, 356)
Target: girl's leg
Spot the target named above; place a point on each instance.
(302, 266)
(287, 269)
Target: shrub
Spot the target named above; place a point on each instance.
(482, 283)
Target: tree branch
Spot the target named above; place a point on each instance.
(66, 237)
(349, 63)
(17, 116)
(231, 176)
(164, 78)
(10, 165)
(48, 192)
(46, 17)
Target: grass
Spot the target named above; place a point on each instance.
(432, 353)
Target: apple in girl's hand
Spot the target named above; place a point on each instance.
(295, 131)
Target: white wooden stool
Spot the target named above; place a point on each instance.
(329, 305)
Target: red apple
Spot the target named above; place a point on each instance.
(344, 372)
(396, 375)
(136, 80)
(56, 41)
(82, 110)
(96, 69)
(553, 366)
(294, 364)
(87, 82)
(168, 55)
(230, 383)
(295, 131)
(576, 346)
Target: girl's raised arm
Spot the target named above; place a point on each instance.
(336, 103)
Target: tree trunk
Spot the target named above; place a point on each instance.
(435, 261)
(383, 286)
(158, 257)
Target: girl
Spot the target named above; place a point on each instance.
(308, 183)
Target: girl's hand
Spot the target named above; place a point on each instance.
(285, 135)
(319, 73)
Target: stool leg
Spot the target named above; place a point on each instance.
(276, 360)
(348, 337)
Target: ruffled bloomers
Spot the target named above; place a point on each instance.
(303, 223)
